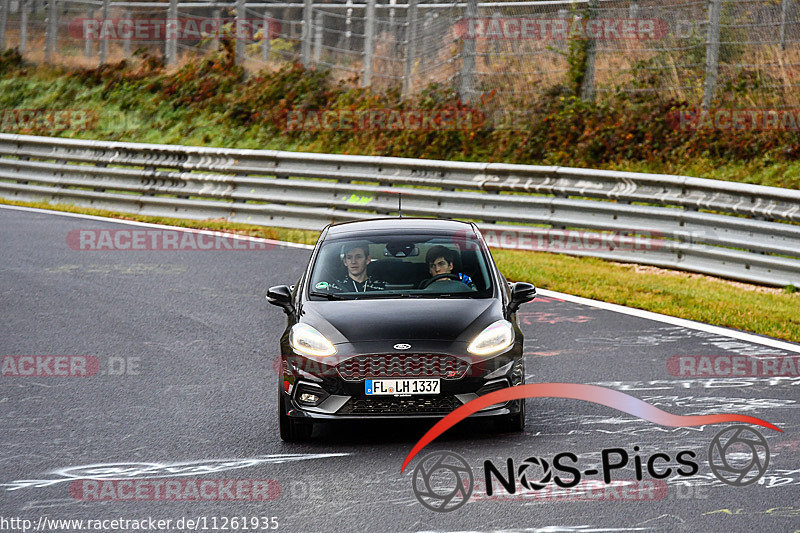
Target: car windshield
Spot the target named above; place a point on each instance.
(422, 265)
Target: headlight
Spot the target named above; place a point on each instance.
(497, 336)
(308, 341)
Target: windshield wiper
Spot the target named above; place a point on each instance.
(377, 295)
(452, 295)
(328, 295)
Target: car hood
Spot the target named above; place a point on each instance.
(401, 320)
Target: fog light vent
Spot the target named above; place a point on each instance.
(493, 386)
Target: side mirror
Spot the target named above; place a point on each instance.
(521, 292)
(281, 295)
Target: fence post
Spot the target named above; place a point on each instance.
(240, 32)
(369, 43)
(103, 52)
(561, 44)
(88, 44)
(494, 45)
(348, 24)
(126, 44)
(411, 45)
(784, 9)
(392, 27)
(468, 60)
(712, 51)
(23, 27)
(319, 22)
(217, 14)
(305, 46)
(587, 88)
(265, 35)
(51, 31)
(5, 6)
(427, 23)
(171, 44)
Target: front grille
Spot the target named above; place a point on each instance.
(403, 366)
(400, 406)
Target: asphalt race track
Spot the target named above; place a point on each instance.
(186, 390)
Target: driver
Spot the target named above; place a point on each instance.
(356, 258)
(440, 261)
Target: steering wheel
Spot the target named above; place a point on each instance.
(425, 283)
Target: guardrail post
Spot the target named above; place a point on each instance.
(265, 37)
(784, 9)
(468, 59)
(240, 32)
(126, 44)
(369, 44)
(5, 6)
(412, 24)
(305, 44)
(712, 51)
(587, 87)
(103, 52)
(51, 31)
(23, 27)
(318, 27)
(171, 43)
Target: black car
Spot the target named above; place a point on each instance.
(398, 317)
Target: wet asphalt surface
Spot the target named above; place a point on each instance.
(186, 390)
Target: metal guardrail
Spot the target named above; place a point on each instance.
(733, 230)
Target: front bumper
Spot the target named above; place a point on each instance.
(340, 390)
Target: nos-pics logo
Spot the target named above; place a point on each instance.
(443, 481)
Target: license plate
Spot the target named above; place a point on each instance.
(379, 387)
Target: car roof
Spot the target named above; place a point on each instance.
(398, 224)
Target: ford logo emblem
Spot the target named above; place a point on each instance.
(402, 346)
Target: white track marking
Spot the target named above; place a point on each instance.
(117, 471)
(682, 322)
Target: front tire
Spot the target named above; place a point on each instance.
(291, 430)
(514, 423)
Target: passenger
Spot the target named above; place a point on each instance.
(440, 261)
(356, 258)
